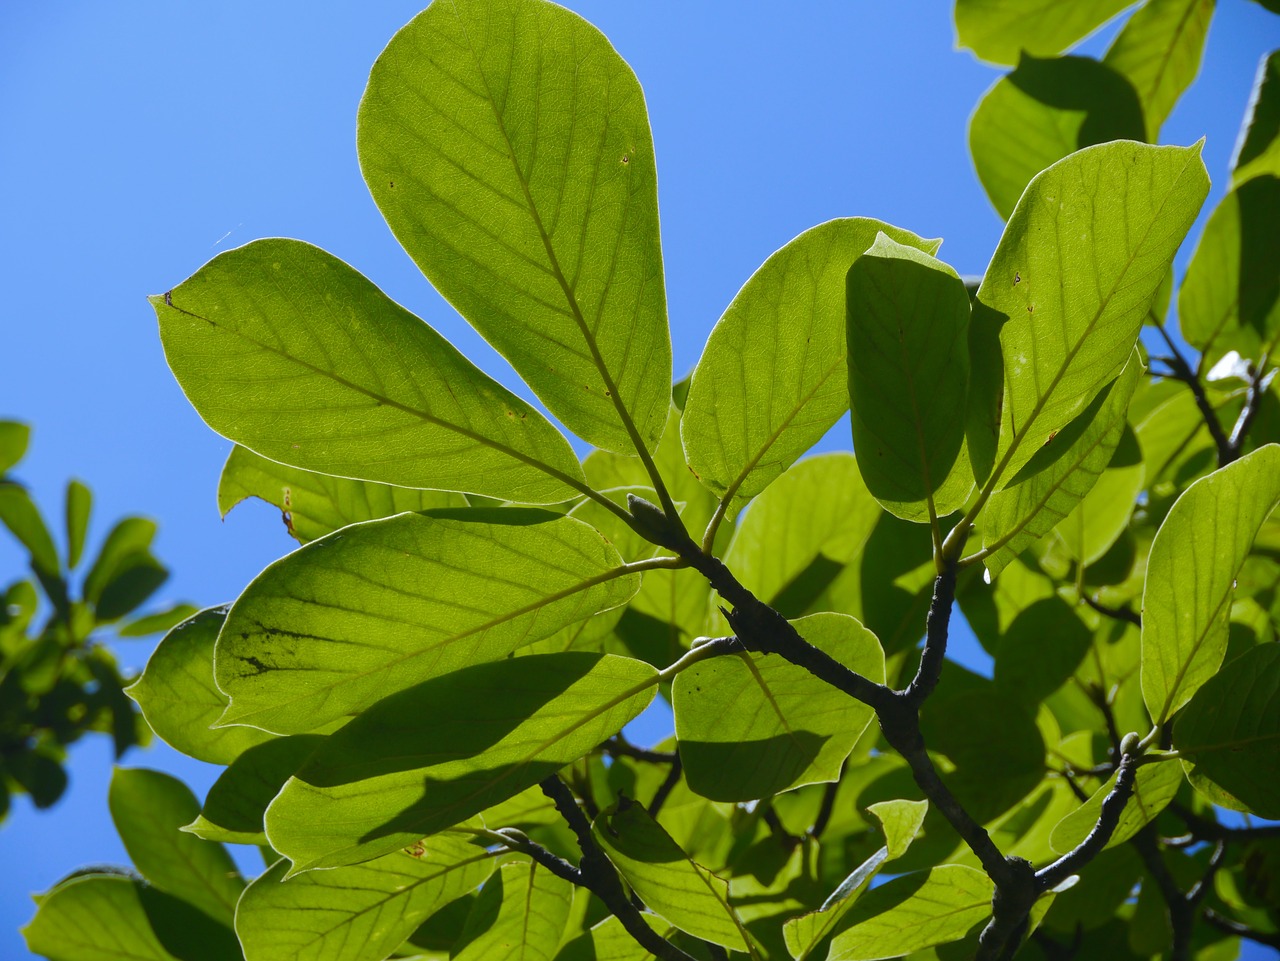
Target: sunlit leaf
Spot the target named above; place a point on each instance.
(19, 513)
(1258, 147)
(14, 438)
(999, 30)
(79, 504)
(519, 916)
(97, 917)
(234, 807)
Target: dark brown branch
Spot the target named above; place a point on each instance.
(1113, 804)
(1115, 613)
(1181, 370)
(618, 746)
(1180, 910)
(1252, 404)
(1229, 926)
(935, 639)
(828, 804)
(1206, 829)
(666, 787)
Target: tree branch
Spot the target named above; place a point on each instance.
(937, 627)
(1181, 911)
(619, 746)
(1252, 404)
(1229, 926)
(1206, 829)
(1115, 613)
(1182, 371)
(666, 787)
(1049, 877)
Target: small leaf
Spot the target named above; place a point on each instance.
(149, 809)
(179, 698)
(1194, 559)
(508, 146)
(14, 438)
(127, 543)
(999, 30)
(753, 725)
(901, 822)
(1153, 789)
(19, 513)
(313, 505)
(670, 884)
(357, 913)
(333, 627)
(773, 376)
(285, 349)
(519, 916)
(444, 750)
(234, 807)
(806, 932)
(1229, 734)
(908, 329)
(1258, 146)
(913, 912)
(79, 504)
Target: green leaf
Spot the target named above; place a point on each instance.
(519, 916)
(912, 912)
(1230, 732)
(1071, 280)
(19, 513)
(753, 725)
(14, 438)
(1159, 50)
(234, 807)
(444, 750)
(1040, 113)
(79, 503)
(95, 917)
(1097, 522)
(179, 698)
(335, 626)
(670, 884)
(773, 376)
(357, 913)
(149, 809)
(901, 822)
(508, 146)
(1191, 571)
(125, 547)
(1053, 483)
(610, 941)
(1000, 30)
(1153, 789)
(1230, 298)
(163, 620)
(313, 505)
(1258, 147)
(907, 331)
(133, 581)
(285, 349)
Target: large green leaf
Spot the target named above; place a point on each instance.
(352, 617)
(1191, 574)
(1153, 789)
(908, 344)
(519, 916)
(19, 513)
(1073, 276)
(752, 725)
(1230, 298)
(234, 807)
(313, 505)
(670, 884)
(912, 912)
(1054, 482)
(1159, 50)
(179, 698)
(1258, 147)
(1229, 734)
(444, 750)
(508, 146)
(149, 809)
(287, 350)
(1000, 30)
(772, 378)
(1040, 113)
(357, 913)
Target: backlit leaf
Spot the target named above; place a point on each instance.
(999, 30)
(96, 917)
(1088, 532)
(14, 438)
(234, 807)
(519, 916)
(1258, 147)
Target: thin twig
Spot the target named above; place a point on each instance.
(1181, 912)
(1115, 613)
(828, 804)
(1229, 926)
(619, 746)
(1206, 829)
(1252, 404)
(1182, 371)
(666, 787)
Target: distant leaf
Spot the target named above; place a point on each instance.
(519, 916)
(1159, 50)
(1153, 789)
(1230, 298)
(163, 620)
(912, 912)
(357, 913)
(234, 807)
(149, 808)
(333, 627)
(1191, 572)
(673, 886)
(1258, 146)
(14, 438)
(135, 578)
(908, 330)
(96, 917)
(1088, 532)
(999, 30)
(1229, 734)
(442, 751)
(125, 546)
(1071, 280)
(1060, 474)
(313, 505)
(1043, 111)
(179, 698)
(508, 146)
(773, 376)
(79, 504)
(753, 725)
(287, 350)
(19, 513)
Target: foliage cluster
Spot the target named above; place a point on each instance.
(420, 710)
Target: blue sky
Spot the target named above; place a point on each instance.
(142, 138)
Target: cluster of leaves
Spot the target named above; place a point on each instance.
(420, 710)
(58, 680)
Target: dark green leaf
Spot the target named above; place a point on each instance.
(1258, 147)
(19, 513)
(287, 350)
(135, 579)
(127, 542)
(79, 504)
(1000, 30)
(234, 807)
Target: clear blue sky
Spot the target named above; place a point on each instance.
(141, 137)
